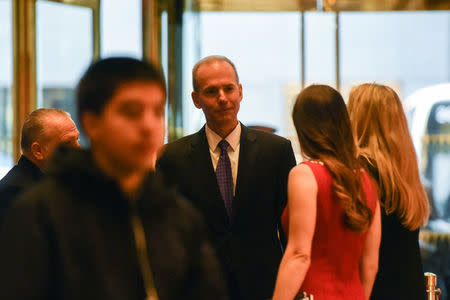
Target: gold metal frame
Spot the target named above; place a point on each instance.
(151, 31)
(326, 5)
(24, 67)
(95, 6)
(24, 58)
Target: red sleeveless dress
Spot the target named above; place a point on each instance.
(336, 250)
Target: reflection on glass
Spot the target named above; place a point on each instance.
(265, 49)
(6, 113)
(409, 51)
(121, 28)
(405, 50)
(320, 48)
(430, 130)
(64, 50)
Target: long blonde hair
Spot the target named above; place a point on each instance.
(386, 148)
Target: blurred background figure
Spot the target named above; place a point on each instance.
(387, 151)
(42, 132)
(101, 225)
(333, 216)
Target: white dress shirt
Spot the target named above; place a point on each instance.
(234, 139)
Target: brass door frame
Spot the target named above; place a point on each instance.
(151, 31)
(24, 66)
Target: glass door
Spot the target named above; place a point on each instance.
(67, 40)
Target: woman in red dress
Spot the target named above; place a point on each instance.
(333, 217)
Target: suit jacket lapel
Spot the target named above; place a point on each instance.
(207, 183)
(247, 158)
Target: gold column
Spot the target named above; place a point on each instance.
(95, 6)
(24, 66)
(151, 31)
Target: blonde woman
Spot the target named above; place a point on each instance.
(381, 130)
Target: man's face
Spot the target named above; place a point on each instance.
(130, 130)
(59, 130)
(219, 94)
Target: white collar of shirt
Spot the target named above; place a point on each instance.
(234, 139)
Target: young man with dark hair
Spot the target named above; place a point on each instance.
(100, 225)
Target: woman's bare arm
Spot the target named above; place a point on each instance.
(302, 194)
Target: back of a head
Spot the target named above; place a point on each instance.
(376, 112)
(323, 127)
(102, 79)
(322, 123)
(381, 129)
(33, 128)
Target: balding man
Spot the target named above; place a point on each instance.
(42, 132)
(237, 177)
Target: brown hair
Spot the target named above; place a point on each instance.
(324, 132)
(381, 129)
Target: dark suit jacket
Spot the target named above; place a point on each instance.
(20, 177)
(247, 245)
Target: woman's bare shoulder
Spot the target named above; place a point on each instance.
(302, 176)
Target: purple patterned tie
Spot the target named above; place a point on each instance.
(224, 177)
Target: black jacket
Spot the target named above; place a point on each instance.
(70, 237)
(400, 273)
(246, 244)
(22, 176)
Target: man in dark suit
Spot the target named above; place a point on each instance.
(43, 130)
(239, 185)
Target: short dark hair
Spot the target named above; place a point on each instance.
(102, 79)
(35, 124)
(210, 59)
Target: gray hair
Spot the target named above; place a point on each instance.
(35, 123)
(210, 59)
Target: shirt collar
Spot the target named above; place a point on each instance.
(233, 138)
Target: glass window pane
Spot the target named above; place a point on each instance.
(64, 50)
(6, 109)
(266, 51)
(320, 48)
(121, 28)
(409, 51)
